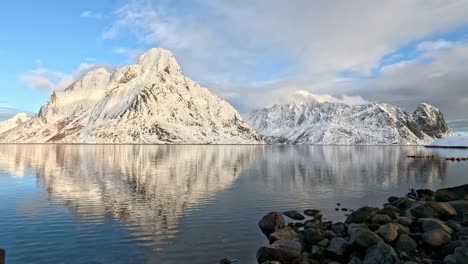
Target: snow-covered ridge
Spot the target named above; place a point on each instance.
(333, 123)
(150, 101)
(13, 122)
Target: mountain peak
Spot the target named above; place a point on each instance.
(158, 59)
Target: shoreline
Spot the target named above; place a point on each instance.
(424, 227)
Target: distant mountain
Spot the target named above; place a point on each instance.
(150, 101)
(13, 122)
(333, 123)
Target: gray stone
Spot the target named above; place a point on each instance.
(403, 220)
(402, 203)
(324, 242)
(380, 219)
(284, 251)
(311, 212)
(338, 246)
(429, 224)
(317, 251)
(461, 206)
(436, 237)
(381, 253)
(271, 222)
(313, 235)
(295, 215)
(455, 225)
(392, 208)
(388, 232)
(450, 259)
(329, 234)
(402, 229)
(425, 194)
(355, 260)
(286, 233)
(364, 238)
(443, 209)
(452, 194)
(405, 243)
(422, 211)
(339, 228)
(361, 215)
(450, 247)
(461, 253)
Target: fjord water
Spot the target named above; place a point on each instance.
(187, 204)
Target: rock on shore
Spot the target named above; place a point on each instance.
(432, 228)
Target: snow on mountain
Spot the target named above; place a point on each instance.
(13, 122)
(150, 101)
(334, 123)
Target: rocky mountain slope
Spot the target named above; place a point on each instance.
(150, 101)
(332, 123)
(13, 122)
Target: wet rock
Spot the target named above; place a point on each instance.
(392, 208)
(403, 220)
(364, 238)
(450, 259)
(330, 234)
(454, 225)
(380, 219)
(461, 206)
(450, 247)
(405, 243)
(311, 212)
(286, 233)
(339, 228)
(313, 235)
(452, 194)
(355, 260)
(402, 203)
(392, 199)
(324, 242)
(461, 253)
(298, 224)
(271, 222)
(295, 215)
(338, 246)
(381, 253)
(388, 232)
(425, 194)
(283, 251)
(422, 211)
(227, 261)
(344, 209)
(402, 229)
(361, 215)
(312, 224)
(443, 209)
(338, 204)
(436, 237)
(429, 224)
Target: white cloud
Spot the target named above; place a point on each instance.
(306, 96)
(91, 14)
(46, 79)
(434, 45)
(120, 50)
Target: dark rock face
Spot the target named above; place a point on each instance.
(381, 253)
(271, 222)
(452, 194)
(430, 120)
(295, 215)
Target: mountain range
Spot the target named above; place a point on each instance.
(153, 102)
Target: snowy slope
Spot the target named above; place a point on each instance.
(150, 101)
(332, 123)
(451, 142)
(13, 122)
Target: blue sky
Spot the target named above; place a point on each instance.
(252, 53)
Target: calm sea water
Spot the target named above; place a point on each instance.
(186, 204)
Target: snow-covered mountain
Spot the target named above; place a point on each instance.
(333, 123)
(13, 122)
(150, 101)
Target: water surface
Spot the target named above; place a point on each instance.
(187, 204)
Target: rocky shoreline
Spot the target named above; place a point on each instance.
(429, 227)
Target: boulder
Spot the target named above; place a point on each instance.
(461, 253)
(425, 194)
(355, 260)
(402, 203)
(388, 232)
(405, 243)
(436, 237)
(380, 219)
(311, 212)
(403, 220)
(450, 247)
(461, 206)
(271, 222)
(392, 199)
(429, 224)
(283, 251)
(339, 228)
(324, 242)
(361, 215)
(338, 246)
(452, 194)
(295, 215)
(402, 229)
(286, 233)
(454, 225)
(381, 253)
(364, 238)
(444, 210)
(422, 211)
(313, 235)
(450, 259)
